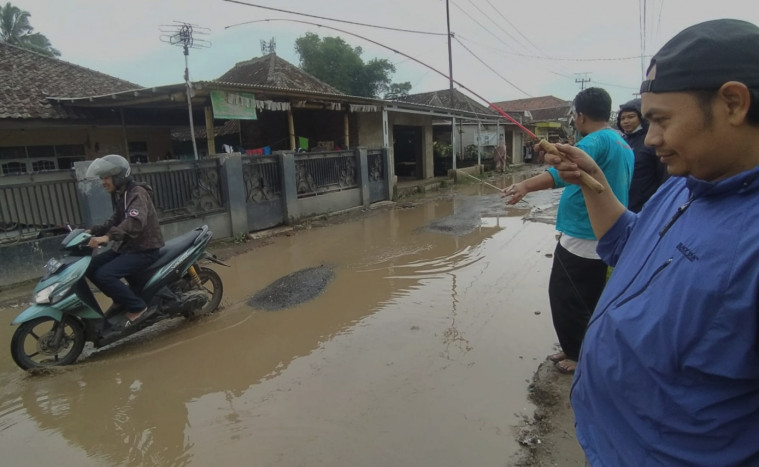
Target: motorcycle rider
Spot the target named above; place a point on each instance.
(133, 228)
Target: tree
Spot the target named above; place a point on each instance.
(16, 30)
(336, 63)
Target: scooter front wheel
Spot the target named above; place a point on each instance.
(46, 342)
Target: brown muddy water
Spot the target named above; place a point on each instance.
(418, 352)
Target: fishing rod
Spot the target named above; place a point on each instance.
(479, 180)
(490, 104)
(585, 178)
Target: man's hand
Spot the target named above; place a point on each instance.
(517, 191)
(97, 241)
(577, 159)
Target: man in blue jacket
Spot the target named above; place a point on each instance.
(669, 370)
(578, 275)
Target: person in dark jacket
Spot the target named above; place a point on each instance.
(133, 228)
(649, 173)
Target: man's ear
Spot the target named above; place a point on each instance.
(736, 98)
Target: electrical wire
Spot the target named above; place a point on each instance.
(499, 26)
(484, 28)
(490, 104)
(329, 19)
(515, 28)
(491, 68)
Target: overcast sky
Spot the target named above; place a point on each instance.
(516, 49)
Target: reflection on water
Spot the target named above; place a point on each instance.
(415, 354)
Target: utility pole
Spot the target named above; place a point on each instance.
(582, 80)
(450, 81)
(181, 34)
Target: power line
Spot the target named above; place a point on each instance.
(499, 26)
(491, 68)
(515, 28)
(329, 19)
(557, 59)
(483, 27)
(508, 117)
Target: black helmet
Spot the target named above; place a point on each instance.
(111, 165)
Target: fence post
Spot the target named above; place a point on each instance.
(363, 172)
(234, 184)
(96, 203)
(389, 176)
(286, 162)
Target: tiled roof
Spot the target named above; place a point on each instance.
(552, 114)
(28, 78)
(532, 103)
(442, 99)
(270, 70)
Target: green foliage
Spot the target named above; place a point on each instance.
(470, 152)
(241, 238)
(398, 90)
(441, 149)
(335, 62)
(16, 30)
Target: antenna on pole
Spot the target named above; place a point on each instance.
(582, 80)
(183, 35)
(269, 47)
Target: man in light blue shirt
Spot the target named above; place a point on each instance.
(578, 275)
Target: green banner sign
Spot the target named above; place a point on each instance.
(233, 105)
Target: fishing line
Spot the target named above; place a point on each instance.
(490, 104)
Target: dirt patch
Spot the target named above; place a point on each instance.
(549, 436)
(293, 289)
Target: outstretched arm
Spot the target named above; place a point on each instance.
(603, 208)
(517, 191)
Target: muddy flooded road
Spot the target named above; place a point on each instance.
(418, 351)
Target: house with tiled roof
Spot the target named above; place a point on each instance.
(39, 133)
(271, 70)
(549, 115)
(481, 133)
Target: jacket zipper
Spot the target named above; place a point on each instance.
(645, 287)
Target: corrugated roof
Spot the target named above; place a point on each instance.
(28, 78)
(270, 70)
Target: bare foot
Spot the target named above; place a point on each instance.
(566, 366)
(557, 357)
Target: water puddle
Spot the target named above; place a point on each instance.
(417, 350)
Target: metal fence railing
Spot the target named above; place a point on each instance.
(262, 177)
(35, 204)
(318, 173)
(183, 188)
(376, 161)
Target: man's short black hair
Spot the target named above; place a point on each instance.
(594, 103)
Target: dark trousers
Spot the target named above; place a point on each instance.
(574, 289)
(107, 269)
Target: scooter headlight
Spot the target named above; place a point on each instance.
(43, 296)
(52, 293)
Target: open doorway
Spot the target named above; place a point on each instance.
(407, 151)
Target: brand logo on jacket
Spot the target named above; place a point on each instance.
(689, 255)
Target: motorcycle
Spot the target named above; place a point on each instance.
(64, 314)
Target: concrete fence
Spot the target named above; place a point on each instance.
(232, 193)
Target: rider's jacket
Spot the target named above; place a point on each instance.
(134, 223)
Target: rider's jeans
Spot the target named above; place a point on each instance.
(107, 269)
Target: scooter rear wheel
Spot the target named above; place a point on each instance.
(33, 346)
(211, 285)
